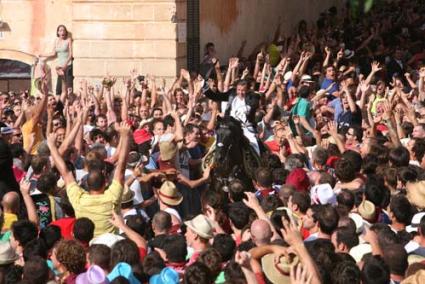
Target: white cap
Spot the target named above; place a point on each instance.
(416, 220)
(323, 194)
(107, 239)
(358, 220)
(306, 78)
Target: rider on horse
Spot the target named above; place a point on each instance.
(241, 104)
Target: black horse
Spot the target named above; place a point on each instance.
(232, 157)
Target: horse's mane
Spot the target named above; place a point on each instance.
(231, 122)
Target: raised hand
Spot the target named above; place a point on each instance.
(364, 86)
(51, 140)
(300, 275)
(340, 54)
(245, 72)
(251, 201)
(260, 57)
(376, 67)
(243, 258)
(291, 234)
(185, 74)
(233, 62)
(117, 220)
(332, 128)
(124, 128)
(25, 187)
(327, 50)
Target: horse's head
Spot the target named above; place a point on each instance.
(228, 137)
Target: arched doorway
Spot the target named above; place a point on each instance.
(14, 75)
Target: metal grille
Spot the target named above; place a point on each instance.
(193, 48)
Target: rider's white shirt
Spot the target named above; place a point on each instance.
(240, 109)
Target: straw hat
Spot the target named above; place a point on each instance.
(416, 193)
(127, 195)
(169, 194)
(417, 278)
(168, 150)
(367, 210)
(7, 253)
(278, 273)
(201, 225)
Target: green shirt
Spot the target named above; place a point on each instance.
(5, 236)
(302, 109)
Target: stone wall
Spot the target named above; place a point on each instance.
(228, 22)
(116, 36)
(110, 36)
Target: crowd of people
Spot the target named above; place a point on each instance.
(108, 183)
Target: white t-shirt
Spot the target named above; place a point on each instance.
(79, 174)
(135, 187)
(173, 212)
(240, 109)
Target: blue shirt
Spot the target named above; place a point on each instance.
(337, 106)
(326, 83)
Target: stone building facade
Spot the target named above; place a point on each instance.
(114, 36)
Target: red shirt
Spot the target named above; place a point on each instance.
(66, 225)
(275, 148)
(142, 253)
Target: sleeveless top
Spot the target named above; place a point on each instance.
(62, 52)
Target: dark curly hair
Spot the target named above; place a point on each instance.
(71, 255)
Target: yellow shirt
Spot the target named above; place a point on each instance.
(97, 208)
(9, 218)
(29, 128)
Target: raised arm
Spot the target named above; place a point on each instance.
(178, 134)
(260, 57)
(217, 97)
(375, 68)
(307, 57)
(41, 107)
(72, 135)
(124, 130)
(118, 222)
(154, 95)
(295, 72)
(24, 187)
(421, 84)
(332, 129)
(220, 80)
(327, 58)
(58, 161)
